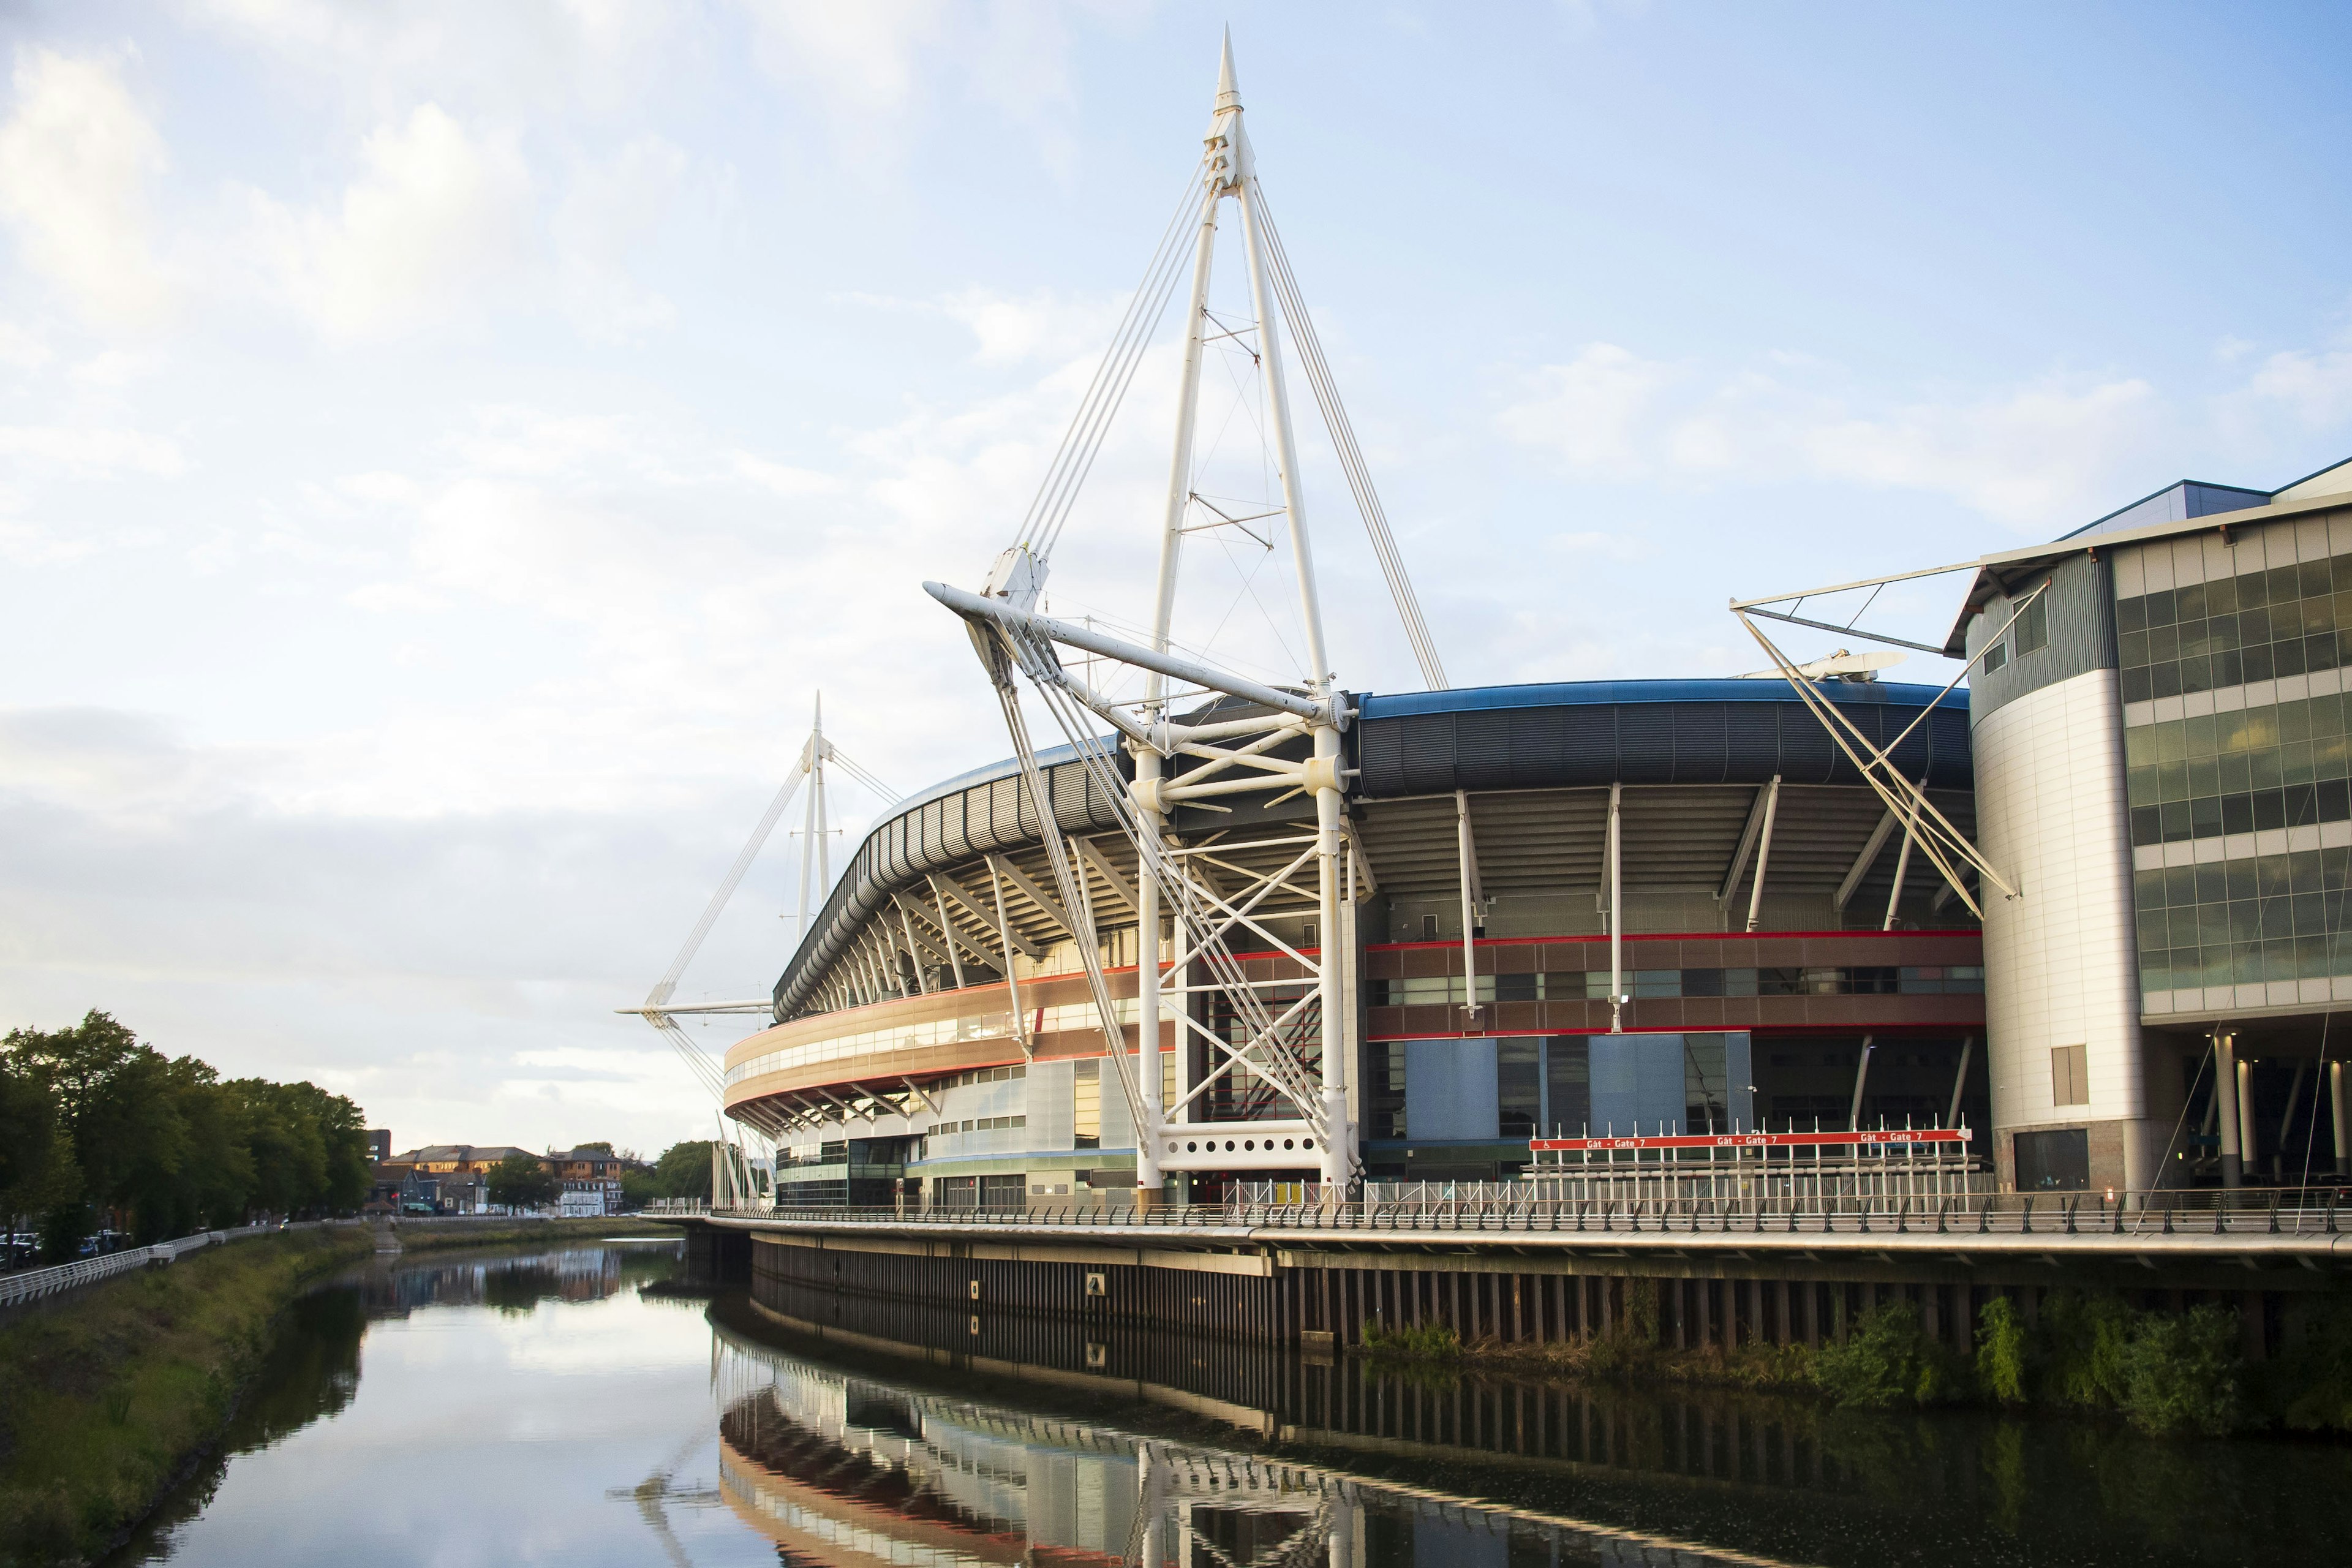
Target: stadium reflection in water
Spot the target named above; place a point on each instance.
(594, 1401)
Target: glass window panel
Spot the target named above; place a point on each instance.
(2171, 741)
(2204, 776)
(2237, 814)
(2147, 889)
(2221, 596)
(2196, 674)
(2318, 616)
(2312, 579)
(2163, 643)
(2266, 765)
(2136, 685)
(2164, 679)
(2286, 658)
(2319, 651)
(2033, 626)
(2131, 614)
(1518, 1086)
(2189, 602)
(2212, 885)
(2222, 634)
(2160, 608)
(2179, 885)
(2139, 745)
(2201, 736)
(2294, 720)
(1568, 1072)
(2283, 585)
(2172, 780)
(2131, 649)
(2295, 764)
(2254, 588)
(2253, 628)
(2205, 817)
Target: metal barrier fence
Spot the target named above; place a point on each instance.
(2274, 1211)
(32, 1284)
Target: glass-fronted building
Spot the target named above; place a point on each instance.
(2162, 751)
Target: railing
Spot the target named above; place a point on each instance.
(2299, 1211)
(32, 1284)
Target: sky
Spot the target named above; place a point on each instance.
(445, 448)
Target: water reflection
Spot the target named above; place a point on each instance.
(840, 1467)
(591, 1404)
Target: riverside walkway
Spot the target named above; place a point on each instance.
(1692, 1273)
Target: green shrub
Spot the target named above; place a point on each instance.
(2180, 1372)
(2002, 1352)
(2084, 1351)
(1422, 1341)
(1888, 1360)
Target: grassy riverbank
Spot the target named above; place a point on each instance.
(2166, 1374)
(106, 1398)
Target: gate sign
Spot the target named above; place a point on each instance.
(1878, 1138)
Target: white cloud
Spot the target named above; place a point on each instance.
(81, 452)
(1594, 412)
(2035, 456)
(2312, 388)
(77, 155)
(861, 55)
(2030, 456)
(21, 350)
(616, 210)
(435, 222)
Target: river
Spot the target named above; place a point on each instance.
(591, 1405)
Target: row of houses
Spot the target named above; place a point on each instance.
(454, 1178)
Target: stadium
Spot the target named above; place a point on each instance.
(935, 1040)
(2076, 920)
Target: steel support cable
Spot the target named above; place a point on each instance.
(1044, 668)
(1058, 857)
(1031, 652)
(1075, 456)
(1108, 384)
(1343, 441)
(726, 884)
(1833, 721)
(859, 772)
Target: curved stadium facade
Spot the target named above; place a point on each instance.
(935, 1042)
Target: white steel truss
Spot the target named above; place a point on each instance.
(731, 1171)
(1924, 826)
(1237, 737)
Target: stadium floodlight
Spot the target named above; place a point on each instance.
(1243, 737)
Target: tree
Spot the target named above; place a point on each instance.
(640, 1188)
(684, 1171)
(161, 1144)
(522, 1182)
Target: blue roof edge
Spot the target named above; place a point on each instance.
(1591, 693)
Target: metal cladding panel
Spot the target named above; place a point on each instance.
(1702, 744)
(1667, 731)
(984, 810)
(2081, 612)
